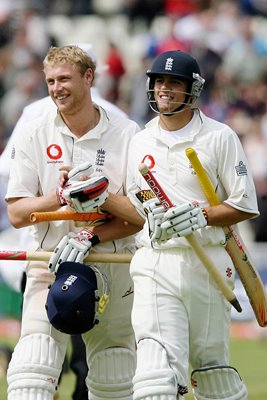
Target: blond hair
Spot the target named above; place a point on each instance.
(73, 55)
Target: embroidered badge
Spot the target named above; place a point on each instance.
(100, 157)
(169, 64)
(13, 153)
(241, 169)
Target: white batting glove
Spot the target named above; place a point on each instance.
(182, 220)
(63, 193)
(85, 196)
(73, 247)
(83, 170)
(154, 212)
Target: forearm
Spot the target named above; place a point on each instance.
(121, 207)
(115, 229)
(19, 209)
(225, 215)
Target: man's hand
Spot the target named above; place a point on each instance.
(84, 196)
(155, 211)
(82, 193)
(182, 220)
(73, 247)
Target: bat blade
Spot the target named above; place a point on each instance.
(236, 249)
(248, 275)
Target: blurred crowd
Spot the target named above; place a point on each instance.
(228, 38)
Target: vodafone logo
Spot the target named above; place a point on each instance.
(149, 161)
(54, 152)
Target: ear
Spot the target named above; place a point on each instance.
(89, 76)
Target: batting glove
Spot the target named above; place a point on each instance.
(85, 196)
(184, 219)
(154, 212)
(83, 170)
(73, 247)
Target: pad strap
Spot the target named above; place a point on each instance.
(220, 382)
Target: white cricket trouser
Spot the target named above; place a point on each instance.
(177, 304)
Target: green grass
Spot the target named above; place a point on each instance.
(247, 356)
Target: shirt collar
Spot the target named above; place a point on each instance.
(153, 127)
(92, 134)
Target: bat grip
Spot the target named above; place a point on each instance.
(57, 215)
(68, 216)
(204, 180)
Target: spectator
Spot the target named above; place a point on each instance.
(110, 83)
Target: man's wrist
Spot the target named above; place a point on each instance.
(91, 236)
(60, 198)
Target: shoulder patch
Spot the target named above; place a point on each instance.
(13, 153)
(241, 169)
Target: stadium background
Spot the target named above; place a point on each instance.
(229, 38)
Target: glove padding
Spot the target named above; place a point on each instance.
(86, 196)
(154, 212)
(182, 220)
(83, 196)
(85, 169)
(72, 247)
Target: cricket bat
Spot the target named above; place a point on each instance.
(236, 249)
(17, 255)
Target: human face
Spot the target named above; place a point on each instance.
(67, 88)
(169, 93)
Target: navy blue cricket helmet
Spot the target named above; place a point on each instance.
(179, 64)
(72, 300)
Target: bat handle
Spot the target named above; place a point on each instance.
(203, 178)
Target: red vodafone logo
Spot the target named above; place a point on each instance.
(149, 161)
(54, 151)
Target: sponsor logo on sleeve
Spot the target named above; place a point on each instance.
(241, 169)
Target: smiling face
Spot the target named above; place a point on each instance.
(67, 86)
(170, 93)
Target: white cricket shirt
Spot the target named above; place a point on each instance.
(220, 152)
(46, 144)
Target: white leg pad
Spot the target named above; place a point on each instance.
(110, 374)
(30, 394)
(161, 397)
(33, 373)
(220, 382)
(154, 377)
